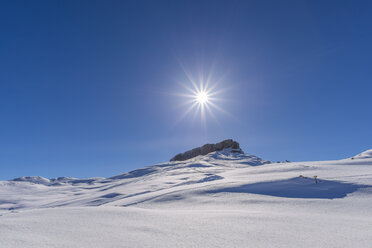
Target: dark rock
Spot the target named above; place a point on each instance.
(208, 148)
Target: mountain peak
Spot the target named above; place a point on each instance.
(208, 148)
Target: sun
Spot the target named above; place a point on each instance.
(202, 100)
(202, 97)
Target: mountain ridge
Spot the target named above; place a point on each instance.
(222, 154)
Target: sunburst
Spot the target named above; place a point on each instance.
(201, 99)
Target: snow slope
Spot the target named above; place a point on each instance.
(366, 154)
(217, 200)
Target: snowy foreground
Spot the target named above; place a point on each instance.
(217, 200)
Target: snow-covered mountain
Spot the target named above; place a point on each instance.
(221, 199)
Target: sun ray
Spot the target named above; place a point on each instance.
(220, 109)
(189, 76)
(203, 95)
(212, 114)
(189, 103)
(191, 107)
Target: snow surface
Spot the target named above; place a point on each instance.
(217, 200)
(366, 154)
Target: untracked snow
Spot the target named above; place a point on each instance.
(221, 199)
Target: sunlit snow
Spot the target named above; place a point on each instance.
(217, 200)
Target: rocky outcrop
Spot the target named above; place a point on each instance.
(208, 148)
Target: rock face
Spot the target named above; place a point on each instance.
(208, 148)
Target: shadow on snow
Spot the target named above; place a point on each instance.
(296, 188)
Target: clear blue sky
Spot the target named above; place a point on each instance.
(87, 87)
